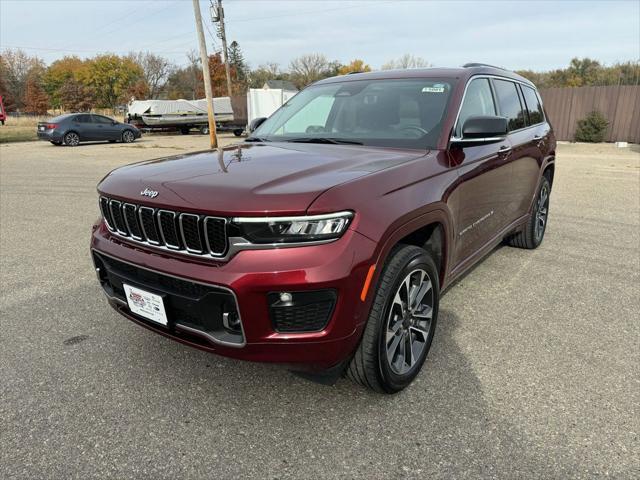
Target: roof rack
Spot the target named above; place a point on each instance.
(469, 65)
(357, 71)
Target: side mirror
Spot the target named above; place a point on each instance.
(255, 123)
(483, 129)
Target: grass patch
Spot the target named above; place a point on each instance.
(11, 133)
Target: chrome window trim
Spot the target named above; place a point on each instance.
(164, 240)
(135, 214)
(453, 138)
(115, 224)
(184, 240)
(213, 285)
(206, 237)
(153, 214)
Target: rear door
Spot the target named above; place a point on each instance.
(539, 136)
(484, 171)
(525, 154)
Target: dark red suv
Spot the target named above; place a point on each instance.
(324, 240)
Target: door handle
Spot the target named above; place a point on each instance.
(537, 137)
(504, 149)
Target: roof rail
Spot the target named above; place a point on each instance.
(357, 71)
(469, 65)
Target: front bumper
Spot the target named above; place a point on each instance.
(250, 276)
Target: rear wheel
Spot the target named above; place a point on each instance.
(401, 324)
(128, 136)
(71, 139)
(237, 132)
(184, 131)
(533, 233)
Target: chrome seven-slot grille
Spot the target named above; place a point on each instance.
(182, 232)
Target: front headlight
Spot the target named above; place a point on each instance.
(293, 229)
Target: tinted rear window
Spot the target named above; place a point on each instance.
(509, 103)
(533, 105)
(60, 118)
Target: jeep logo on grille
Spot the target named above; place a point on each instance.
(147, 192)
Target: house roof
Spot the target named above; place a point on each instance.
(283, 84)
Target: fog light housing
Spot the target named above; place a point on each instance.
(299, 312)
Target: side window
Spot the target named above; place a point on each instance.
(533, 105)
(83, 119)
(477, 101)
(509, 103)
(100, 119)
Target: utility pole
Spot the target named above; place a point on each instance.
(223, 37)
(205, 73)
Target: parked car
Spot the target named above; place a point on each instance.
(3, 114)
(73, 128)
(325, 240)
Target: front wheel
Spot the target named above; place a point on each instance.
(237, 132)
(533, 233)
(401, 323)
(128, 136)
(204, 129)
(72, 139)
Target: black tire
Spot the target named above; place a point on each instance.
(112, 141)
(57, 144)
(370, 366)
(128, 136)
(204, 130)
(533, 233)
(238, 131)
(71, 139)
(184, 131)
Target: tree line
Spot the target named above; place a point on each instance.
(72, 83)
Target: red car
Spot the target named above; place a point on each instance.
(324, 241)
(3, 114)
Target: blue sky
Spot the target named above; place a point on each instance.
(515, 34)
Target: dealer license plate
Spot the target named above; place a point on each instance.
(146, 304)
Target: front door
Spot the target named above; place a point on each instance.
(481, 197)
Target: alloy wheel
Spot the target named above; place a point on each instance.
(409, 321)
(72, 139)
(541, 212)
(127, 136)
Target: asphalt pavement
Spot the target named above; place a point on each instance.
(534, 371)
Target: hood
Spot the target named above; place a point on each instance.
(246, 179)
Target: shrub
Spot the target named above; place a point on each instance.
(592, 128)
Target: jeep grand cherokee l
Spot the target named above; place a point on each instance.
(325, 239)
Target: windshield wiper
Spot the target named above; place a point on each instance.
(255, 139)
(333, 141)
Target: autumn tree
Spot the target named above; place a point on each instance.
(267, 71)
(58, 74)
(7, 100)
(406, 61)
(356, 65)
(111, 77)
(35, 98)
(156, 71)
(17, 67)
(307, 69)
(75, 97)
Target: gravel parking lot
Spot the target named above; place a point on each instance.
(533, 372)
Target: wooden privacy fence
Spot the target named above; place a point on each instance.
(619, 104)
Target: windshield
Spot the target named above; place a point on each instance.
(404, 113)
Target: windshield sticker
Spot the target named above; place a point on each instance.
(434, 89)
